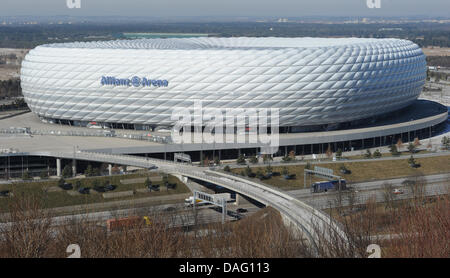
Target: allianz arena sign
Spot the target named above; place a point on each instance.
(135, 81)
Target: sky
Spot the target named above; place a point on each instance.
(225, 8)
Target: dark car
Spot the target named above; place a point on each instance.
(99, 188)
(171, 185)
(241, 210)
(66, 186)
(289, 177)
(4, 193)
(154, 187)
(84, 190)
(110, 187)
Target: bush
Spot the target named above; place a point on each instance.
(77, 184)
(393, 150)
(43, 175)
(377, 154)
(286, 158)
(241, 159)
(308, 166)
(67, 171)
(227, 169)
(339, 153)
(147, 182)
(412, 148)
(368, 154)
(253, 159)
(26, 175)
(61, 182)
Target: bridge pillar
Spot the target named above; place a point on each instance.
(110, 169)
(237, 202)
(58, 167)
(74, 167)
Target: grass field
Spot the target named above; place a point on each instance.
(63, 198)
(361, 171)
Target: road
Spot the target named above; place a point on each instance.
(295, 212)
(435, 185)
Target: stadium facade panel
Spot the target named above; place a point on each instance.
(313, 81)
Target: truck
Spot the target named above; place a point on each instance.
(117, 224)
(324, 186)
(189, 201)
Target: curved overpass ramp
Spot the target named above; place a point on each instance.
(311, 222)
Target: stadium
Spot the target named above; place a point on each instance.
(317, 83)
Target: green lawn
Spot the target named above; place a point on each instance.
(361, 171)
(62, 198)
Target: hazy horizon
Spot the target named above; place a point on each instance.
(229, 8)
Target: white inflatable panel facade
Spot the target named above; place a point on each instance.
(313, 81)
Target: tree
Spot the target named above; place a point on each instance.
(259, 174)
(77, 184)
(89, 172)
(339, 153)
(399, 144)
(445, 142)
(227, 168)
(292, 155)
(253, 159)
(308, 166)
(216, 160)
(43, 175)
(329, 152)
(26, 175)
(377, 154)
(368, 154)
(95, 183)
(67, 171)
(388, 194)
(148, 182)
(411, 148)
(241, 159)
(412, 162)
(267, 158)
(269, 169)
(165, 179)
(248, 171)
(417, 142)
(61, 182)
(393, 150)
(285, 171)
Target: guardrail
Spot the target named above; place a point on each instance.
(93, 133)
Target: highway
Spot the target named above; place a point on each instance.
(295, 212)
(435, 185)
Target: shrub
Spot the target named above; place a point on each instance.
(339, 153)
(253, 159)
(241, 159)
(67, 171)
(227, 169)
(377, 154)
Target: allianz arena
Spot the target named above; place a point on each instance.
(313, 81)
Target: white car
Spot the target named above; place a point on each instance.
(397, 191)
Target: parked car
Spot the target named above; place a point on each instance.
(66, 186)
(397, 191)
(99, 188)
(4, 193)
(241, 210)
(110, 187)
(84, 190)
